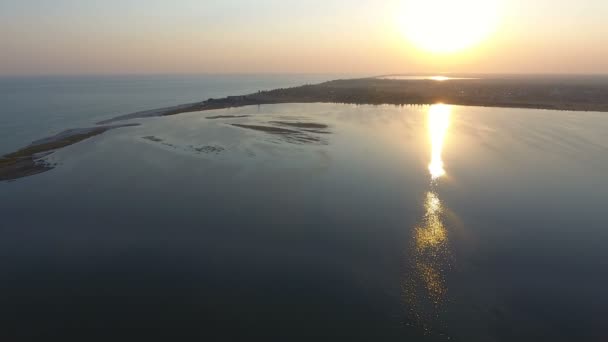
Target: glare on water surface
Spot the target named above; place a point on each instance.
(425, 287)
(438, 123)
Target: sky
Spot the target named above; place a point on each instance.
(42, 37)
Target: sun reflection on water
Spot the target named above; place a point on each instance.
(432, 234)
(430, 240)
(438, 124)
(439, 78)
(425, 285)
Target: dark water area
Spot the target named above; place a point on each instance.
(315, 222)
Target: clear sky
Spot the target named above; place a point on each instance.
(312, 36)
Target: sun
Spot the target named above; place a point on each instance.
(448, 26)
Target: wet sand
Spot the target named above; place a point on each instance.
(227, 117)
(298, 135)
(27, 161)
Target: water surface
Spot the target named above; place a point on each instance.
(37, 107)
(439, 78)
(316, 221)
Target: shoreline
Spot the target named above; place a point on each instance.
(525, 93)
(27, 161)
(495, 93)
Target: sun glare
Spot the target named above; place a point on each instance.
(438, 123)
(448, 26)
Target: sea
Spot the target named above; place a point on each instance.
(35, 107)
(300, 222)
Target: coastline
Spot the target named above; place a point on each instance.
(529, 93)
(502, 93)
(27, 161)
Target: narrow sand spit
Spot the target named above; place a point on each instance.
(28, 160)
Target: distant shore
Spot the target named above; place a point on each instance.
(534, 93)
(573, 94)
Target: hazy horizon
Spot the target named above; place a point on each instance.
(345, 75)
(270, 36)
(317, 170)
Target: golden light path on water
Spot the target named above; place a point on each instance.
(430, 240)
(438, 124)
(426, 287)
(439, 78)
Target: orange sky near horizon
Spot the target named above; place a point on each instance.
(330, 36)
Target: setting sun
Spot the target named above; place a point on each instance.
(446, 26)
(327, 170)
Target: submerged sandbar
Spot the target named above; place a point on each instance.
(577, 93)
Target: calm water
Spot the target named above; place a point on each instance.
(37, 107)
(370, 223)
(439, 78)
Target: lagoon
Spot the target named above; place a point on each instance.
(309, 221)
